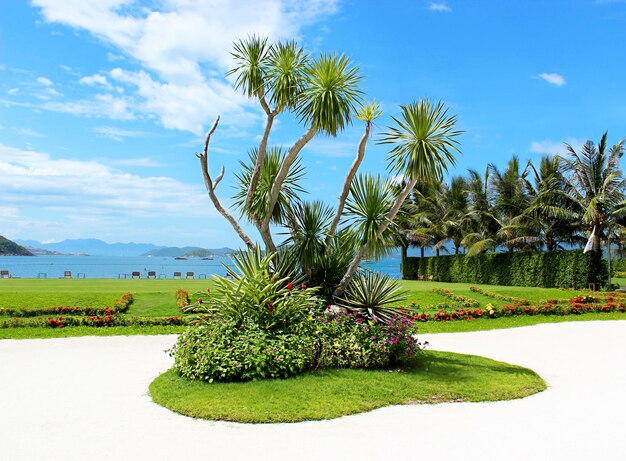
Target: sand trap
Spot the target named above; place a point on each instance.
(85, 399)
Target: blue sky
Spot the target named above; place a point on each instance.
(104, 102)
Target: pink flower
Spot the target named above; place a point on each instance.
(290, 286)
(303, 287)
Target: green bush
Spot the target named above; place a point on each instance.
(351, 341)
(119, 306)
(225, 350)
(563, 269)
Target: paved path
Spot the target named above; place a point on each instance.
(85, 399)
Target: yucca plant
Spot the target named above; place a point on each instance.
(254, 291)
(371, 294)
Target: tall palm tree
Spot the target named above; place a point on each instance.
(595, 184)
(423, 140)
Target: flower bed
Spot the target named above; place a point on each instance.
(491, 294)
(463, 300)
(97, 321)
(120, 306)
(575, 306)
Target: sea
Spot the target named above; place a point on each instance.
(114, 267)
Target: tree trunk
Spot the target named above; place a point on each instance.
(291, 156)
(437, 251)
(421, 251)
(347, 183)
(256, 173)
(356, 261)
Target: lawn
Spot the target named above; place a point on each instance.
(436, 377)
(156, 298)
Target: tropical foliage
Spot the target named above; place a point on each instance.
(561, 202)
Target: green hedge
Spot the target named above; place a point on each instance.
(564, 269)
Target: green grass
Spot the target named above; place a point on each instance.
(41, 300)
(31, 333)
(157, 298)
(437, 377)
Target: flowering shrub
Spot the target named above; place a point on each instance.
(351, 341)
(464, 300)
(491, 294)
(182, 298)
(120, 306)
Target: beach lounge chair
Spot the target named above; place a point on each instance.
(67, 274)
(177, 275)
(135, 274)
(151, 274)
(5, 274)
(190, 275)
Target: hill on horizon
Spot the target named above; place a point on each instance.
(96, 247)
(10, 248)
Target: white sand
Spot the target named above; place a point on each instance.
(85, 399)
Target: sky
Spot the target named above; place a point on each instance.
(103, 103)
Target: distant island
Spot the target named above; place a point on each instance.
(10, 248)
(95, 247)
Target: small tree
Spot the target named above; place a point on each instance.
(323, 93)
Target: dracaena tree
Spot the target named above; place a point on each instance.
(322, 93)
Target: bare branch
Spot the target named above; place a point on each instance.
(219, 178)
(210, 187)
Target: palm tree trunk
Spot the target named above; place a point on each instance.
(356, 261)
(421, 251)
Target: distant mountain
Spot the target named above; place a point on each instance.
(10, 248)
(197, 252)
(93, 247)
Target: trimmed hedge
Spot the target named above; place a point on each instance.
(562, 269)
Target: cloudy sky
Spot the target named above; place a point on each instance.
(104, 102)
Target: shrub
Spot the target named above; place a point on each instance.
(182, 299)
(253, 292)
(564, 269)
(96, 321)
(351, 341)
(227, 350)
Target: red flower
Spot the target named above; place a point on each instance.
(270, 307)
(208, 290)
(290, 286)
(199, 300)
(303, 287)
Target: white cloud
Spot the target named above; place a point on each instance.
(140, 161)
(44, 81)
(554, 147)
(117, 134)
(102, 106)
(552, 79)
(440, 7)
(28, 132)
(95, 80)
(13, 91)
(74, 186)
(176, 83)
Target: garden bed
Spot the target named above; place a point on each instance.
(435, 378)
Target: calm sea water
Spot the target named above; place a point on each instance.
(99, 267)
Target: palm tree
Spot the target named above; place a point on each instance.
(595, 184)
(424, 141)
(483, 225)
